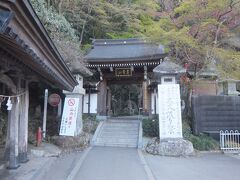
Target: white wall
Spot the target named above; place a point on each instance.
(93, 103)
(232, 88)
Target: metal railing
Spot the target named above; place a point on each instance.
(230, 141)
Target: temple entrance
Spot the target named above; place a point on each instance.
(126, 99)
(123, 77)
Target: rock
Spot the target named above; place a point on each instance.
(175, 147)
(69, 142)
(170, 147)
(153, 146)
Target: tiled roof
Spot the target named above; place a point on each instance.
(109, 50)
(168, 67)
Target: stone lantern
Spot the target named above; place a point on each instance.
(168, 72)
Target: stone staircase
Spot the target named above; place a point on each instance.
(118, 132)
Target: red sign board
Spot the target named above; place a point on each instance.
(54, 100)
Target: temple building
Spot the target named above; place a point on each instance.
(121, 61)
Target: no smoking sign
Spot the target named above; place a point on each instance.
(71, 102)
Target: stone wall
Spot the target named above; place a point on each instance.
(214, 113)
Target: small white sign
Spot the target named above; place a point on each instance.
(170, 118)
(69, 117)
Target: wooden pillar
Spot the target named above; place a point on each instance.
(155, 101)
(89, 99)
(109, 102)
(13, 134)
(145, 96)
(23, 125)
(102, 95)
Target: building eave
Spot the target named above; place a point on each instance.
(26, 31)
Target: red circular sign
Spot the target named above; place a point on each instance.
(54, 100)
(71, 102)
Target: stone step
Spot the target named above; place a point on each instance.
(112, 139)
(115, 144)
(122, 133)
(118, 133)
(117, 140)
(121, 127)
(118, 137)
(122, 121)
(121, 124)
(108, 130)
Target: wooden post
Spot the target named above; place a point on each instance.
(13, 135)
(145, 96)
(89, 99)
(102, 98)
(155, 101)
(23, 125)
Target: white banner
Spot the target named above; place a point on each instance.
(170, 118)
(69, 117)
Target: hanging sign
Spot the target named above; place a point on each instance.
(123, 72)
(170, 119)
(69, 117)
(54, 100)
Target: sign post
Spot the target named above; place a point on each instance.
(69, 117)
(45, 113)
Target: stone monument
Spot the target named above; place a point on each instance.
(170, 120)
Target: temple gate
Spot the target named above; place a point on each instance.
(124, 61)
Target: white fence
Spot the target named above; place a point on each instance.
(230, 141)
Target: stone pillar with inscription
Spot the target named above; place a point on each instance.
(170, 118)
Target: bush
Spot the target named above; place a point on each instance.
(90, 124)
(150, 127)
(200, 142)
(203, 142)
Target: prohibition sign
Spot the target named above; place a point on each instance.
(71, 102)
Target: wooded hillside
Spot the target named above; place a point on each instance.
(202, 33)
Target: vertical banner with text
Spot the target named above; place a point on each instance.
(170, 118)
(69, 117)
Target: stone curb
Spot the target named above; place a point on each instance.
(78, 165)
(43, 169)
(146, 166)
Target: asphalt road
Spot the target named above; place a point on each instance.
(205, 166)
(108, 163)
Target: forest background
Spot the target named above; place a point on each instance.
(197, 32)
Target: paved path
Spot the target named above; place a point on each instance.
(63, 166)
(107, 163)
(211, 166)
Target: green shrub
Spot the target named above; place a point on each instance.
(90, 124)
(200, 142)
(203, 142)
(150, 127)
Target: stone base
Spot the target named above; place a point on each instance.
(170, 147)
(23, 157)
